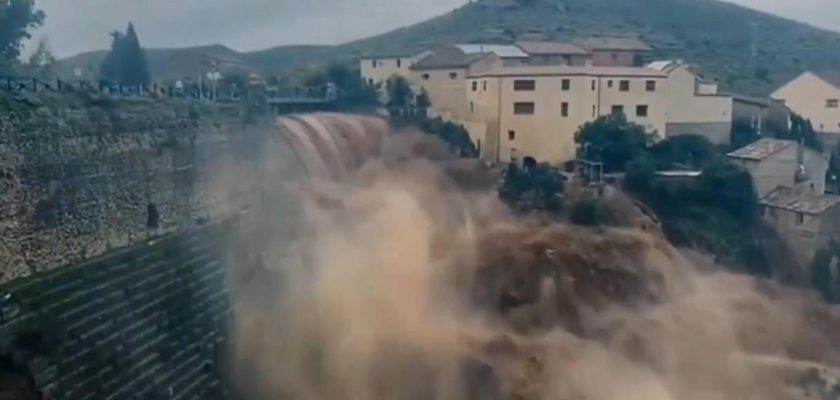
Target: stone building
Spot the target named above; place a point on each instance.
(807, 221)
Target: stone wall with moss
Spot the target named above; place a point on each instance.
(82, 175)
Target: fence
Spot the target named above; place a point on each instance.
(188, 90)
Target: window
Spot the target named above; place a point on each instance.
(800, 219)
(832, 103)
(650, 86)
(617, 110)
(425, 77)
(399, 63)
(474, 86)
(370, 81)
(453, 75)
(374, 63)
(524, 85)
(624, 86)
(593, 85)
(472, 108)
(511, 135)
(642, 111)
(566, 84)
(564, 109)
(523, 108)
(594, 112)
(484, 86)
(609, 83)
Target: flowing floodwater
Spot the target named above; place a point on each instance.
(394, 283)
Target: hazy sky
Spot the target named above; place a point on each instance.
(74, 26)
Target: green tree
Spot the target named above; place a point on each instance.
(126, 62)
(730, 187)
(41, 61)
(400, 95)
(423, 100)
(641, 175)
(18, 18)
(611, 140)
(802, 130)
(684, 151)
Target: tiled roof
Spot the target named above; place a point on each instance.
(761, 149)
(395, 54)
(446, 57)
(624, 44)
(558, 70)
(551, 48)
(807, 203)
(500, 50)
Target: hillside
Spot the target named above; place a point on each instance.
(714, 35)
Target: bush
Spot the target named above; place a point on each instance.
(588, 212)
(533, 188)
(684, 151)
(613, 141)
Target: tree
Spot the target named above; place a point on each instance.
(42, 59)
(400, 95)
(17, 20)
(802, 130)
(684, 151)
(611, 140)
(730, 187)
(423, 100)
(126, 63)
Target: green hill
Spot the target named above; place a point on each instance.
(715, 35)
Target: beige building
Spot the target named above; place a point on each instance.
(536, 111)
(509, 56)
(443, 75)
(775, 163)
(806, 221)
(617, 52)
(555, 53)
(377, 70)
(815, 96)
(694, 106)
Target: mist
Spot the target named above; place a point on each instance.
(399, 283)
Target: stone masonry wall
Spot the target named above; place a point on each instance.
(80, 176)
(147, 322)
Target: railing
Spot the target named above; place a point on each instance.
(19, 84)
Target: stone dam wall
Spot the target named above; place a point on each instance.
(79, 176)
(146, 322)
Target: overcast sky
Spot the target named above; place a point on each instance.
(75, 26)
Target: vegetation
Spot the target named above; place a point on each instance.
(677, 28)
(611, 140)
(717, 213)
(18, 18)
(126, 63)
(532, 187)
(352, 90)
(825, 275)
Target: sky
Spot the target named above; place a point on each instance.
(75, 26)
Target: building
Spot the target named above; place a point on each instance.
(378, 69)
(766, 116)
(775, 163)
(808, 222)
(694, 105)
(536, 110)
(816, 97)
(616, 52)
(443, 75)
(555, 53)
(509, 55)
